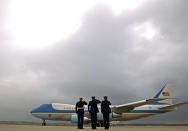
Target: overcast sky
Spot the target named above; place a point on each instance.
(57, 51)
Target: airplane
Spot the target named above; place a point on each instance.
(160, 103)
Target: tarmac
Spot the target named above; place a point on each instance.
(8, 127)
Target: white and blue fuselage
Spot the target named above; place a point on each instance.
(66, 112)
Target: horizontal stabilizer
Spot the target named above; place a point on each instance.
(171, 107)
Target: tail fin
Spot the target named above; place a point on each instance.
(165, 92)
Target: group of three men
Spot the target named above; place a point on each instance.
(93, 110)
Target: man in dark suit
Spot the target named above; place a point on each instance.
(93, 110)
(80, 112)
(105, 109)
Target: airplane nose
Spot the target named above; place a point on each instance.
(39, 111)
(42, 108)
(36, 111)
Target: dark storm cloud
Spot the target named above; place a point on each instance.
(104, 57)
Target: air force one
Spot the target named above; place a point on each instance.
(160, 103)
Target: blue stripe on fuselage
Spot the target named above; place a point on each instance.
(158, 103)
(149, 111)
(47, 108)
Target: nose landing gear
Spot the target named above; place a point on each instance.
(44, 123)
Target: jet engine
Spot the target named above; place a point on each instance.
(100, 116)
(74, 119)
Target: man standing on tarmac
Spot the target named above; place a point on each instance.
(93, 110)
(105, 109)
(80, 112)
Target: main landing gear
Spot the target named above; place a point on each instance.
(100, 124)
(44, 123)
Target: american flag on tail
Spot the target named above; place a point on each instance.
(165, 93)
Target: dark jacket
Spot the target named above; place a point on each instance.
(92, 106)
(80, 107)
(105, 107)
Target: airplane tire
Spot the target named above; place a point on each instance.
(43, 123)
(100, 124)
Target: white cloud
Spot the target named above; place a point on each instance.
(146, 30)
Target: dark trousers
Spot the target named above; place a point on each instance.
(106, 120)
(93, 120)
(80, 120)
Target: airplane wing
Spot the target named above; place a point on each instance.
(130, 106)
(171, 107)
